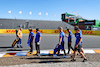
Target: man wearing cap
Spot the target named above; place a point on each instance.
(82, 40)
(70, 35)
(37, 41)
(78, 45)
(31, 39)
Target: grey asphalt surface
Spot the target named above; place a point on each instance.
(50, 61)
(64, 64)
(48, 41)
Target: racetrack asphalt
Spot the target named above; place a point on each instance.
(48, 41)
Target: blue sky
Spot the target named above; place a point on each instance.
(89, 9)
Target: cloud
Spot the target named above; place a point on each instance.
(20, 12)
(47, 14)
(30, 13)
(9, 11)
(39, 13)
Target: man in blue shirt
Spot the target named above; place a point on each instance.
(60, 45)
(78, 45)
(82, 39)
(31, 40)
(37, 41)
(70, 35)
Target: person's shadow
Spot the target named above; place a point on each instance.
(6, 47)
(10, 48)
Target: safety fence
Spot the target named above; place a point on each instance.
(47, 31)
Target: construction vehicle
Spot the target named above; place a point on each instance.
(83, 23)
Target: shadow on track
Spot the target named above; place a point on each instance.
(42, 58)
(50, 61)
(6, 47)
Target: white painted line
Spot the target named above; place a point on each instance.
(44, 51)
(2, 54)
(21, 54)
(89, 51)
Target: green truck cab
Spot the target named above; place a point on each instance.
(83, 24)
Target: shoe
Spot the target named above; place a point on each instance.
(73, 60)
(38, 54)
(55, 56)
(72, 56)
(84, 60)
(17, 46)
(21, 47)
(64, 56)
(81, 57)
(30, 52)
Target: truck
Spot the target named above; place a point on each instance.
(83, 24)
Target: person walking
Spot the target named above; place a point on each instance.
(70, 35)
(78, 45)
(37, 41)
(31, 40)
(60, 45)
(19, 36)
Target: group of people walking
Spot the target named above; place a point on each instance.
(37, 40)
(60, 46)
(30, 40)
(78, 43)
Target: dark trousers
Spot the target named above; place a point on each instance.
(37, 46)
(69, 47)
(62, 43)
(31, 46)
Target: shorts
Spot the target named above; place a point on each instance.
(78, 48)
(70, 40)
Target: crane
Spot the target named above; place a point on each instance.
(77, 14)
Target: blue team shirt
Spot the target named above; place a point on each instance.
(80, 31)
(38, 35)
(62, 34)
(70, 36)
(81, 34)
(30, 37)
(78, 36)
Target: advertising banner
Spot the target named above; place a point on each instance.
(47, 31)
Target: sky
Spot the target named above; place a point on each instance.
(49, 9)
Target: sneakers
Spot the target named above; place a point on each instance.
(17, 46)
(55, 56)
(84, 60)
(73, 60)
(30, 52)
(21, 47)
(72, 56)
(38, 54)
